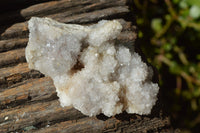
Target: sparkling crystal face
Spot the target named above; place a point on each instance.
(90, 72)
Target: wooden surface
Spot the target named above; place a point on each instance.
(28, 100)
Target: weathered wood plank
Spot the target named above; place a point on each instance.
(53, 7)
(6, 45)
(12, 57)
(20, 30)
(19, 69)
(35, 90)
(11, 75)
(39, 113)
(62, 8)
(15, 74)
(67, 8)
(89, 125)
(68, 5)
(95, 15)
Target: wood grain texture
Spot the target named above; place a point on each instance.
(68, 11)
(113, 124)
(15, 75)
(12, 57)
(69, 7)
(6, 45)
(28, 100)
(20, 29)
(28, 115)
(34, 90)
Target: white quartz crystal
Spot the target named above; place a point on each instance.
(90, 72)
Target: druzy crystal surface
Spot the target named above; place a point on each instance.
(89, 70)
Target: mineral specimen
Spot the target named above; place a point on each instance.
(90, 71)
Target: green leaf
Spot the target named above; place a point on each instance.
(174, 68)
(169, 55)
(198, 56)
(194, 104)
(187, 94)
(193, 2)
(183, 23)
(168, 17)
(195, 12)
(140, 34)
(196, 92)
(183, 4)
(167, 47)
(176, 1)
(140, 21)
(156, 24)
(184, 13)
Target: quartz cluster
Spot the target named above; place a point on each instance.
(89, 70)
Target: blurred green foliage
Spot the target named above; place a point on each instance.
(169, 35)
